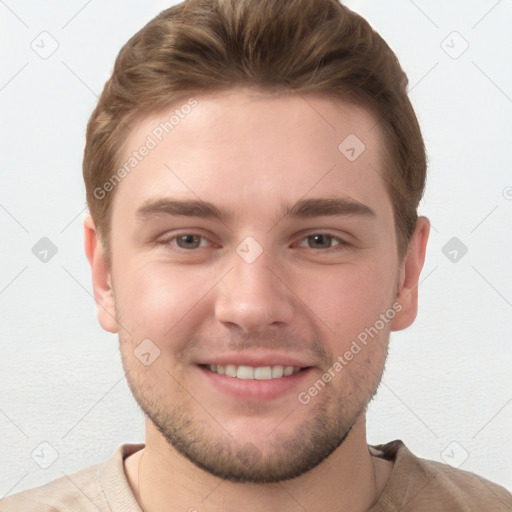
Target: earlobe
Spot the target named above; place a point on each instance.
(410, 270)
(101, 278)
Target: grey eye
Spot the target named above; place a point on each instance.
(320, 241)
(188, 241)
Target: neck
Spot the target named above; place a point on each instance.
(349, 480)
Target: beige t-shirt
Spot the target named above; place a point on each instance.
(415, 485)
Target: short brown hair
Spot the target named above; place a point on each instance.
(298, 46)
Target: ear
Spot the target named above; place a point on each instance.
(101, 278)
(410, 269)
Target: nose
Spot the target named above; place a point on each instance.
(254, 296)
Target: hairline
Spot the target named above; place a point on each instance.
(357, 99)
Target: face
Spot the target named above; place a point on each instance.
(255, 278)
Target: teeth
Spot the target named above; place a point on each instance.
(254, 373)
(245, 372)
(288, 371)
(230, 370)
(263, 372)
(277, 372)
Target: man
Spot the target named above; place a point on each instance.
(253, 171)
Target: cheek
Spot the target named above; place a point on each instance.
(351, 298)
(156, 299)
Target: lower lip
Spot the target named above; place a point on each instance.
(254, 389)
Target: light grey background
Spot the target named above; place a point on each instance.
(447, 388)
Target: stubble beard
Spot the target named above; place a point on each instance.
(328, 423)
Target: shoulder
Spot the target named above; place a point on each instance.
(77, 491)
(464, 489)
(93, 489)
(419, 484)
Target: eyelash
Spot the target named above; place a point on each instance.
(340, 242)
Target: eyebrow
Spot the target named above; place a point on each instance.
(303, 209)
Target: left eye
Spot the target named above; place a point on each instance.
(188, 241)
(320, 241)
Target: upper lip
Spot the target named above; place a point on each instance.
(256, 360)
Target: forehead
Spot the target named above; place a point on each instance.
(245, 150)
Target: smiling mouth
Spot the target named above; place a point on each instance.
(252, 372)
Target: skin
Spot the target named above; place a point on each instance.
(303, 297)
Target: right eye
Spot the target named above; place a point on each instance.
(186, 241)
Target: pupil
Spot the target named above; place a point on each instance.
(188, 240)
(320, 240)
